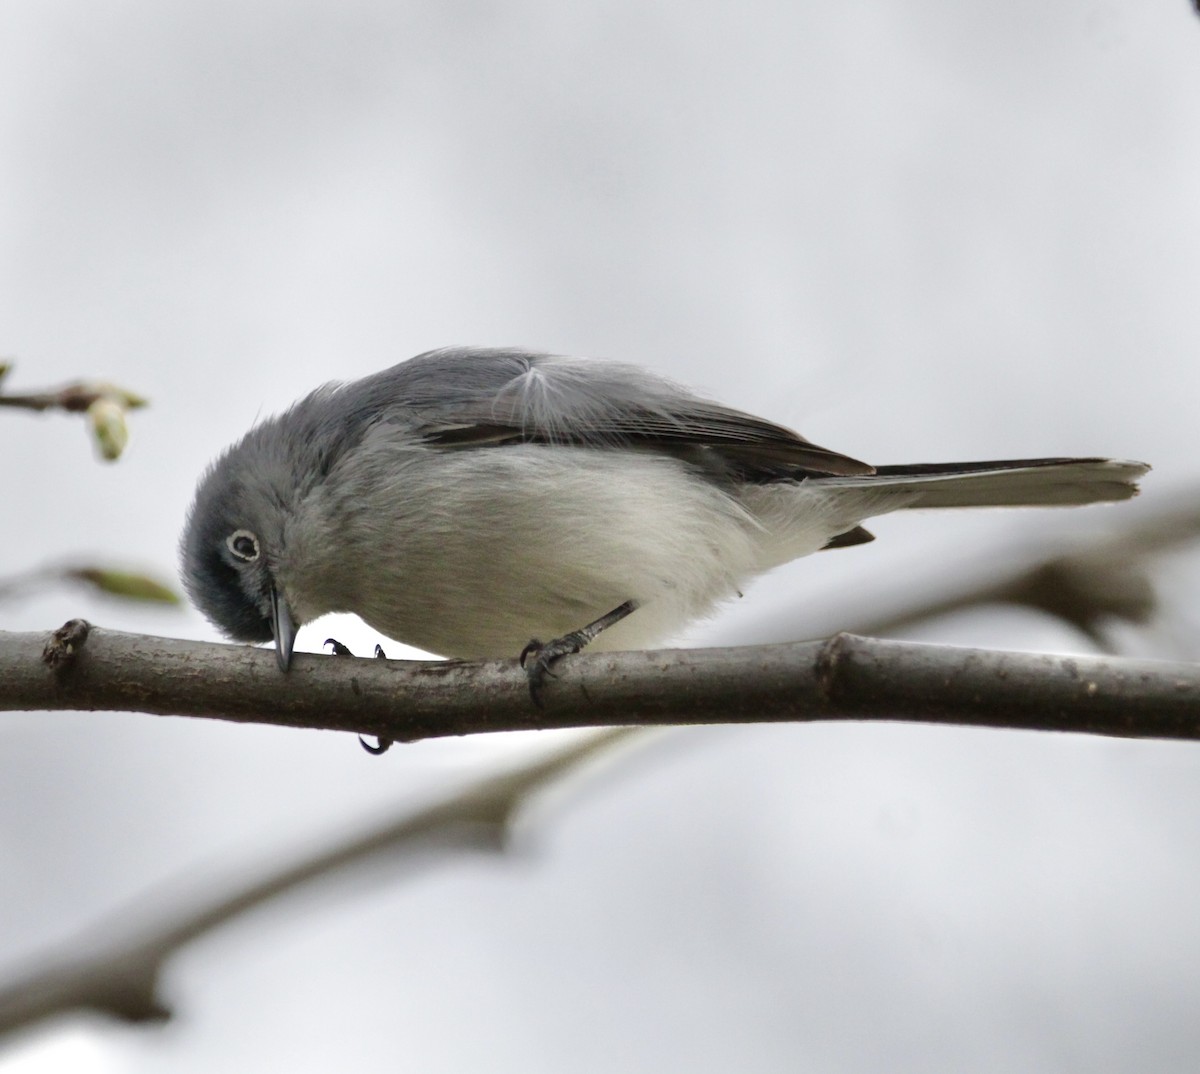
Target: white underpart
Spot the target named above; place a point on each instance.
(493, 547)
(472, 553)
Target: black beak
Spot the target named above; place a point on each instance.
(283, 628)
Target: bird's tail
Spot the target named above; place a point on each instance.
(1003, 483)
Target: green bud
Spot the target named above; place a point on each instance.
(106, 416)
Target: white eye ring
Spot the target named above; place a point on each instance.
(243, 545)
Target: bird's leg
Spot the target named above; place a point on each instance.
(545, 654)
(382, 745)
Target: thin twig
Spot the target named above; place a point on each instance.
(74, 398)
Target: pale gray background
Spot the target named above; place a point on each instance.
(916, 230)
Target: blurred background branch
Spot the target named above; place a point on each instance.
(114, 968)
(1104, 579)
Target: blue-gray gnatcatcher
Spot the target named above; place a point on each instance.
(469, 500)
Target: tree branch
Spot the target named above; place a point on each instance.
(845, 677)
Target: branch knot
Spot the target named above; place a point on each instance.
(65, 643)
(827, 662)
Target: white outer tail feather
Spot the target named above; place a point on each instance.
(1040, 484)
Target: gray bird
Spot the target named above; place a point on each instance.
(470, 500)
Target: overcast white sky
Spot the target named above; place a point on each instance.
(915, 230)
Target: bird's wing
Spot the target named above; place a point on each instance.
(460, 398)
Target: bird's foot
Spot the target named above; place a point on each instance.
(537, 656)
(382, 745)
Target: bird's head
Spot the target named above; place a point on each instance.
(233, 543)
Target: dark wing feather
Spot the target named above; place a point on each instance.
(460, 398)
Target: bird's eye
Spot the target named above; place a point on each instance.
(243, 544)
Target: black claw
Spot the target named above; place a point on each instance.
(338, 648)
(382, 745)
(535, 675)
(379, 653)
(536, 670)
